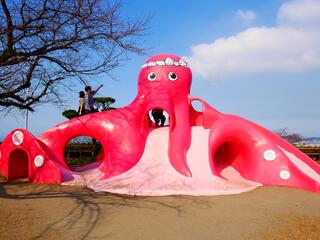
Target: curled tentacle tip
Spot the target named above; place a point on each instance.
(187, 173)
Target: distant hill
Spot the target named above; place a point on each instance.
(311, 141)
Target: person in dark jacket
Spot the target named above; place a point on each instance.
(88, 99)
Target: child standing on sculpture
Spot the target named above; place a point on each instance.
(88, 99)
(81, 110)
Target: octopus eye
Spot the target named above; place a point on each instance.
(152, 76)
(172, 76)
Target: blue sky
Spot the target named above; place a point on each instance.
(256, 59)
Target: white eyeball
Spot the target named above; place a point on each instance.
(152, 76)
(172, 76)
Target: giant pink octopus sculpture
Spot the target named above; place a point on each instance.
(200, 153)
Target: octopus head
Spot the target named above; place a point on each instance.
(164, 80)
(165, 73)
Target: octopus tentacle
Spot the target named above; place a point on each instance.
(256, 154)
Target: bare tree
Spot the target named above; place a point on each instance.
(289, 137)
(45, 46)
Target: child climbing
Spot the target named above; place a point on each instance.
(89, 98)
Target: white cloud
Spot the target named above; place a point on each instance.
(291, 46)
(245, 15)
(302, 12)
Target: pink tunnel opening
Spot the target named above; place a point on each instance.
(232, 154)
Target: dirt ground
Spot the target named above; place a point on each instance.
(38, 211)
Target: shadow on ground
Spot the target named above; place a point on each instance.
(80, 206)
(40, 211)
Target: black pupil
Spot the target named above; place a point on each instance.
(152, 75)
(173, 75)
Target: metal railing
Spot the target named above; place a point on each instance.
(312, 151)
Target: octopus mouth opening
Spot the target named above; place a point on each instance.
(159, 117)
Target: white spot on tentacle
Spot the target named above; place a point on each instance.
(285, 175)
(269, 155)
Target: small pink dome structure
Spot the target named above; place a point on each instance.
(200, 153)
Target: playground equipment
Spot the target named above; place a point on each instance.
(200, 152)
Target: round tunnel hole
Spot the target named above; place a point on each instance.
(232, 154)
(197, 105)
(82, 151)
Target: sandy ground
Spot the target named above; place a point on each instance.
(36, 211)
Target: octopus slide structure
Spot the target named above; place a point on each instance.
(199, 153)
